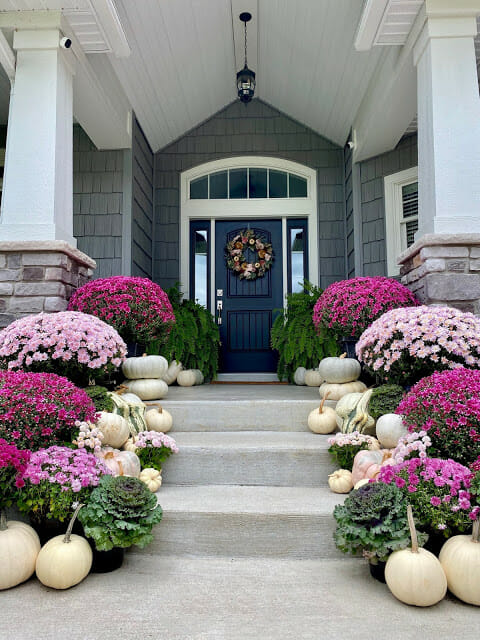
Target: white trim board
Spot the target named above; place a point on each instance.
(279, 208)
(393, 215)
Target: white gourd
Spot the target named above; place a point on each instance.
(340, 481)
(313, 378)
(186, 378)
(299, 376)
(158, 419)
(114, 427)
(172, 372)
(323, 419)
(340, 369)
(390, 429)
(338, 390)
(152, 478)
(460, 559)
(145, 367)
(19, 548)
(198, 376)
(353, 411)
(147, 388)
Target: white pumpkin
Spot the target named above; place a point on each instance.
(323, 419)
(114, 427)
(198, 376)
(121, 463)
(390, 429)
(130, 444)
(172, 372)
(186, 378)
(313, 378)
(152, 478)
(148, 388)
(299, 376)
(460, 559)
(159, 419)
(19, 548)
(340, 481)
(145, 367)
(340, 369)
(338, 390)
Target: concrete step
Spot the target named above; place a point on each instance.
(241, 407)
(249, 458)
(286, 522)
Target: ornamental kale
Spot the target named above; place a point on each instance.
(373, 520)
(438, 490)
(13, 463)
(446, 405)
(40, 409)
(76, 345)
(138, 308)
(405, 345)
(55, 478)
(348, 307)
(120, 512)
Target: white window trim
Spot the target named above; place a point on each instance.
(394, 215)
(279, 208)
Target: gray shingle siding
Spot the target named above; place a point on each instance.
(256, 129)
(372, 173)
(98, 203)
(142, 204)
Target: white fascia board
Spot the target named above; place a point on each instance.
(107, 16)
(7, 57)
(370, 21)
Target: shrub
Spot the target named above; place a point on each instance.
(68, 343)
(295, 338)
(348, 307)
(405, 345)
(138, 308)
(40, 409)
(446, 405)
(438, 491)
(100, 398)
(385, 399)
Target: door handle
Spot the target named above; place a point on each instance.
(219, 311)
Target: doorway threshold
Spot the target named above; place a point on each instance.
(247, 378)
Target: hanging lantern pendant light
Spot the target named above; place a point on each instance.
(245, 77)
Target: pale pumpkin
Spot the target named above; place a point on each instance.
(313, 378)
(65, 560)
(340, 481)
(158, 419)
(121, 463)
(148, 388)
(340, 369)
(114, 427)
(130, 444)
(323, 419)
(198, 376)
(145, 367)
(352, 408)
(299, 376)
(338, 390)
(172, 372)
(367, 464)
(361, 483)
(415, 576)
(460, 559)
(152, 478)
(186, 378)
(19, 548)
(390, 429)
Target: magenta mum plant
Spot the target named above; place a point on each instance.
(439, 492)
(446, 406)
(13, 463)
(76, 345)
(41, 409)
(348, 307)
(138, 308)
(55, 478)
(405, 345)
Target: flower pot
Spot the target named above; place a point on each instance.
(106, 561)
(348, 347)
(435, 542)
(47, 529)
(135, 349)
(377, 570)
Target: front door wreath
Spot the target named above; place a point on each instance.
(236, 252)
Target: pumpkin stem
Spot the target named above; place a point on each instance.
(476, 530)
(344, 355)
(67, 536)
(3, 520)
(413, 531)
(320, 408)
(160, 410)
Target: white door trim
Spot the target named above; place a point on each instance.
(279, 208)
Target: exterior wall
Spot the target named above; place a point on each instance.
(142, 204)
(248, 130)
(372, 173)
(98, 203)
(349, 224)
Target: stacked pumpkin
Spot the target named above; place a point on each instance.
(145, 376)
(341, 377)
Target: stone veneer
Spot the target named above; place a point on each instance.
(444, 269)
(39, 276)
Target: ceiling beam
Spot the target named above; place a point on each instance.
(370, 21)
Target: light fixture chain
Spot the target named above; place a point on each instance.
(245, 25)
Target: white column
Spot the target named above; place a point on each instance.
(38, 182)
(448, 119)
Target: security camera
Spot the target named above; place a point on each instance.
(351, 144)
(65, 43)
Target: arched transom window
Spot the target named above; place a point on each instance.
(248, 183)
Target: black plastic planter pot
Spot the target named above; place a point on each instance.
(106, 561)
(135, 349)
(377, 571)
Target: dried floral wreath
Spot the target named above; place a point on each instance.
(236, 254)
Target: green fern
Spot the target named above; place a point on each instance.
(294, 336)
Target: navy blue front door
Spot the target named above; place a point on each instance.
(248, 305)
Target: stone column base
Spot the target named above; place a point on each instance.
(444, 269)
(39, 276)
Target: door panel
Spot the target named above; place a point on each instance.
(248, 305)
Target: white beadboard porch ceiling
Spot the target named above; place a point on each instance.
(182, 67)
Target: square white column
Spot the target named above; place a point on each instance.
(448, 119)
(37, 199)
